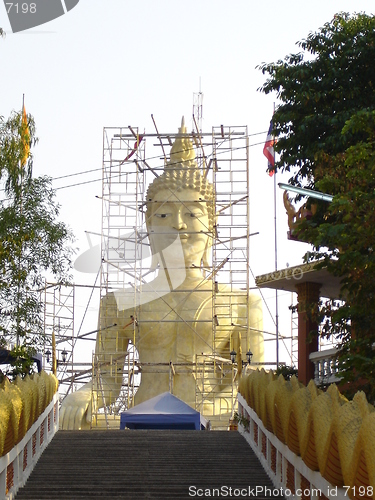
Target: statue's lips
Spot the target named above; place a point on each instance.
(173, 236)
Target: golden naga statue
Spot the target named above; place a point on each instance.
(331, 434)
(172, 320)
(296, 216)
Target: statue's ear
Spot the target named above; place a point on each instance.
(207, 254)
(155, 262)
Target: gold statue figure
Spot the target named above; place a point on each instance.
(172, 322)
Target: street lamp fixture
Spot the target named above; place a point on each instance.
(64, 354)
(48, 355)
(306, 192)
(249, 355)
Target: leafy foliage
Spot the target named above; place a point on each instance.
(242, 420)
(286, 371)
(348, 236)
(320, 88)
(326, 138)
(32, 243)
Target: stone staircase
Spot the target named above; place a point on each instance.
(139, 465)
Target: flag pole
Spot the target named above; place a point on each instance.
(275, 235)
(269, 153)
(276, 297)
(20, 254)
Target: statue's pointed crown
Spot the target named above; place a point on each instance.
(182, 172)
(182, 151)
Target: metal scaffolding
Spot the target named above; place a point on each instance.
(61, 338)
(293, 333)
(59, 322)
(227, 163)
(223, 158)
(123, 249)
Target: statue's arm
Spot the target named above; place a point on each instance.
(256, 343)
(251, 340)
(111, 347)
(116, 329)
(76, 409)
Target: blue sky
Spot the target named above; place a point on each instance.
(114, 62)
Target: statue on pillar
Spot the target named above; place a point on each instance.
(171, 319)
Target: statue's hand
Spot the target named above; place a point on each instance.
(76, 410)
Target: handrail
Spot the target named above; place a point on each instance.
(287, 471)
(16, 466)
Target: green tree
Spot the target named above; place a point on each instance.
(325, 127)
(320, 88)
(345, 243)
(33, 242)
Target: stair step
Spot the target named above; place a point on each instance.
(143, 464)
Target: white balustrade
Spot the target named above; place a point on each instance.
(291, 477)
(325, 366)
(16, 466)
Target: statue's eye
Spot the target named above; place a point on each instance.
(161, 216)
(195, 214)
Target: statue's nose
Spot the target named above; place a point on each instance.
(179, 222)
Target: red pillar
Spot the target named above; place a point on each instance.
(308, 300)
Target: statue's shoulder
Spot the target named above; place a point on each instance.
(108, 310)
(108, 300)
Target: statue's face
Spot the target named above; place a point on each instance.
(180, 216)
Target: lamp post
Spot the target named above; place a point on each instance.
(64, 355)
(249, 356)
(48, 355)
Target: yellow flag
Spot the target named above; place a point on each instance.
(25, 138)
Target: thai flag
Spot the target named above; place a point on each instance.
(269, 152)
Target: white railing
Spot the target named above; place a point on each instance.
(325, 366)
(287, 471)
(16, 466)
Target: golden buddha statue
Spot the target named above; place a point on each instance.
(171, 320)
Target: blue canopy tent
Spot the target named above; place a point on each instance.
(162, 412)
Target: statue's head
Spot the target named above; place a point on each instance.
(182, 200)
